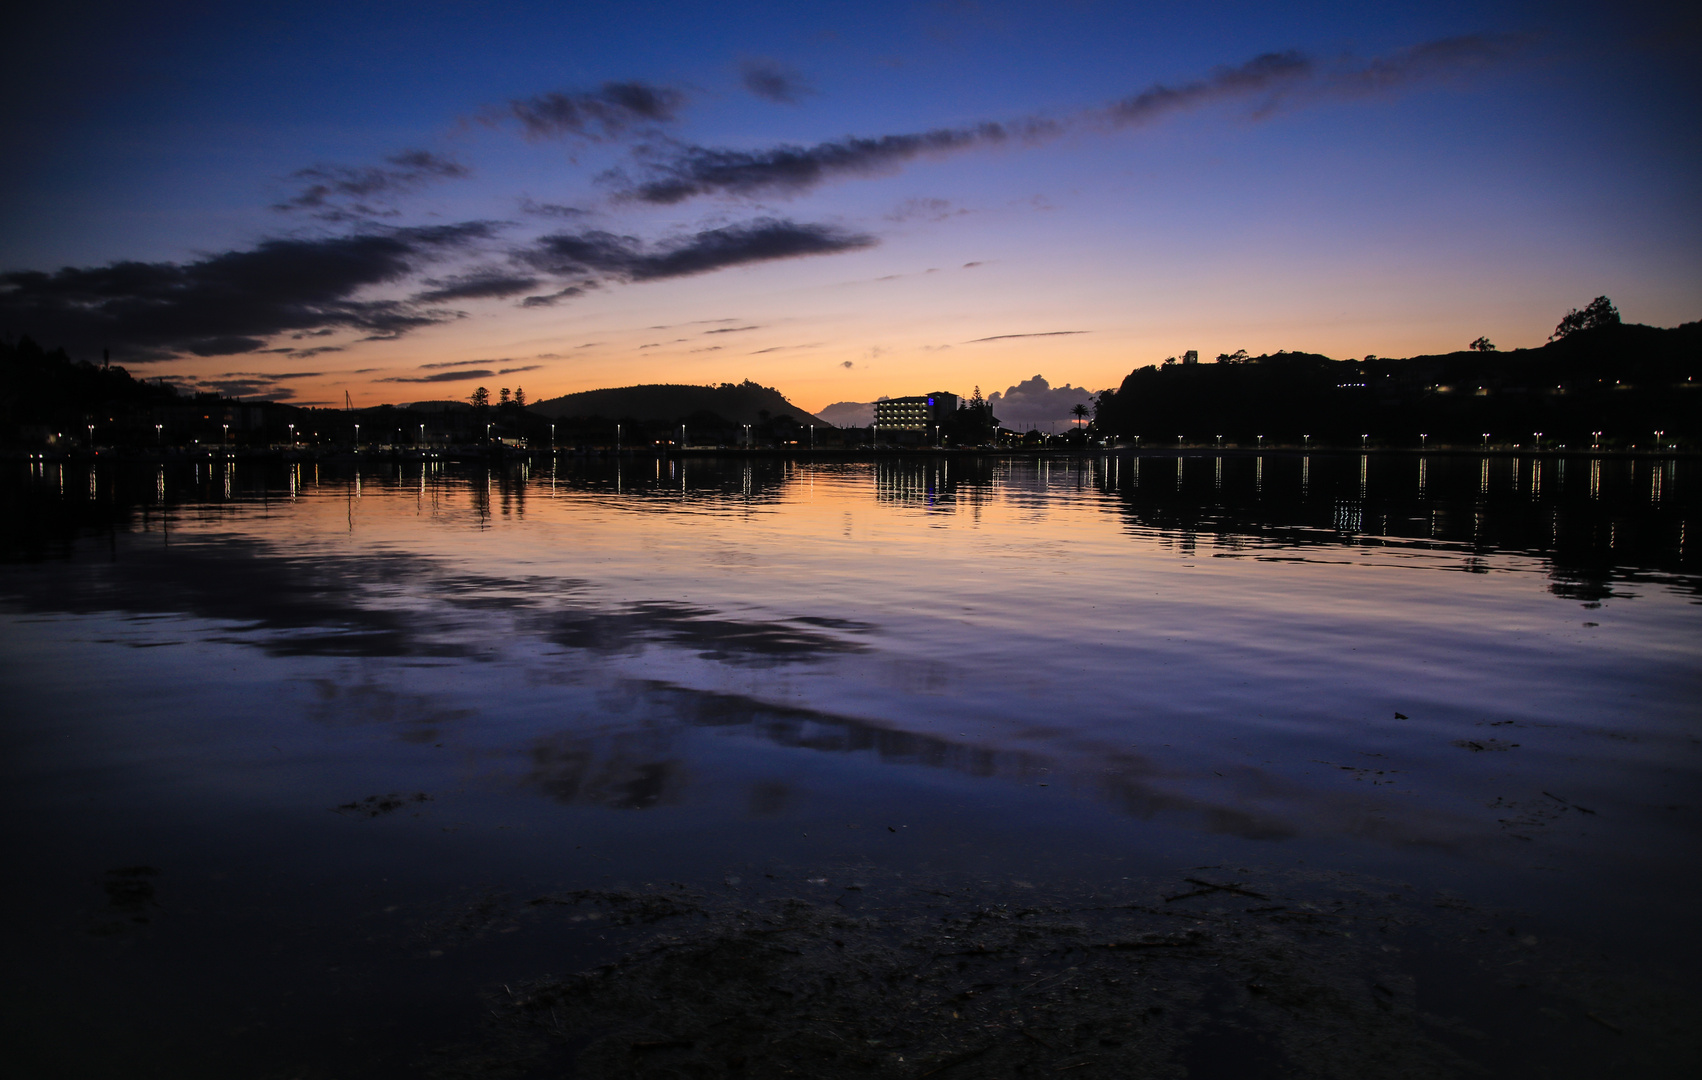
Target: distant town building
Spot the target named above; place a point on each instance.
(919, 413)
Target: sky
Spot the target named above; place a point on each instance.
(403, 201)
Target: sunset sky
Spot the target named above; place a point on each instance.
(404, 201)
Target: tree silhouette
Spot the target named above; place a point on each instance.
(1482, 344)
(481, 398)
(1079, 411)
(520, 396)
(1599, 312)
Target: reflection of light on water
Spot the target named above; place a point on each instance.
(1655, 484)
(1305, 475)
(1595, 478)
(1483, 477)
(1259, 475)
(1219, 480)
(1364, 465)
(1536, 479)
(1423, 473)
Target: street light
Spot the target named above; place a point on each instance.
(617, 438)
(1596, 440)
(357, 436)
(421, 441)
(1658, 435)
(1537, 435)
(552, 437)
(1220, 442)
(1363, 441)
(1423, 440)
(91, 428)
(1486, 440)
(224, 439)
(747, 436)
(159, 435)
(1305, 441)
(1261, 439)
(292, 433)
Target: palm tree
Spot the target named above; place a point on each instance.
(1079, 411)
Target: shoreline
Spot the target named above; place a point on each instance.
(489, 454)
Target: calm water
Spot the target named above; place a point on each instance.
(264, 725)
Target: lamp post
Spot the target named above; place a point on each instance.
(552, 438)
(617, 438)
(1305, 442)
(357, 437)
(1486, 440)
(91, 428)
(1423, 441)
(159, 435)
(224, 439)
(1537, 436)
(292, 434)
(1261, 439)
(812, 436)
(1595, 440)
(1658, 435)
(747, 428)
(420, 442)
(1220, 442)
(1364, 440)
(1178, 442)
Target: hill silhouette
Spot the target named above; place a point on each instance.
(1623, 380)
(736, 403)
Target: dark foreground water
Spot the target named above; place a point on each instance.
(338, 770)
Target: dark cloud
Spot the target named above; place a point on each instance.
(732, 329)
(478, 285)
(325, 186)
(625, 258)
(671, 173)
(551, 299)
(1430, 60)
(925, 209)
(459, 363)
(551, 210)
(599, 115)
(1043, 333)
(513, 370)
(443, 376)
(788, 170)
(1270, 73)
(774, 81)
(231, 302)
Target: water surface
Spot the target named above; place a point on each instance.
(276, 732)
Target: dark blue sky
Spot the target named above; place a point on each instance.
(1346, 178)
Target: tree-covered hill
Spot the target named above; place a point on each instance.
(1623, 380)
(737, 403)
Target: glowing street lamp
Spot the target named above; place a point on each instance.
(225, 438)
(552, 436)
(1261, 439)
(91, 428)
(1423, 440)
(1220, 442)
(421, 441)
(1486, 440)
(1305, 441)
(1658, 435)
(159, 435)
(617, 438)
(357, 436)
(292, 433)
(1364, 440)
(1595, 440)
